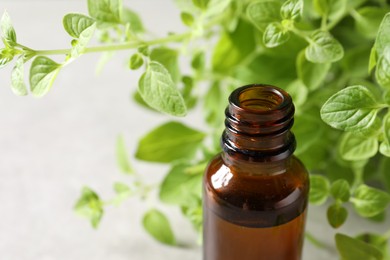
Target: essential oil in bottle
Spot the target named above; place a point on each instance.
(256, 191)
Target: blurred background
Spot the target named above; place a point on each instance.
(51, 147)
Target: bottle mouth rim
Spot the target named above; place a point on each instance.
(260, 99)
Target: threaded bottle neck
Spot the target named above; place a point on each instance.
(258, 122)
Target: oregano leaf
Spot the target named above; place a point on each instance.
(275, 35)
(386, 127)
(75, 24)
(323, 48)
(215, 7)
(157, 89)
(336, 215)
(108, 11)
(383, 37)
(319, 189)
(292, 9)
(354, 249)
(43, 72)
(311, 74)
(178, 187)
(122, 156)
(262, 13)
(330, 8)
(17, 78)
(169, 59)
(83, 40)
(8, 31)
(382, 72)
(384, 148)
(90, 206)
(356, 147)
(5, 57)
(157, 225)
(169, 142)
(136, 61)
(368, 19)
(372, 60)
(350, 109)
(340, 190)
(187, 18)
(132, 18)
(369, 201)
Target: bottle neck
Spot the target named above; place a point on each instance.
(258, 123)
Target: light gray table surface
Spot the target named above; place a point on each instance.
(51, 147)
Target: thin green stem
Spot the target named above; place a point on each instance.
(118, 47)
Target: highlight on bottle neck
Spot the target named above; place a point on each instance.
(258, 122)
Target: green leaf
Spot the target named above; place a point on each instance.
(372, 59)
(43, 72)
(384, 148)
(354, 249)
(378, 241)
(123, 191)
(75, 24)
(368, 19)
(17, 78)
(198, 62)
(353, 108)
(215, 7)
(169, 59)
(330, 8)
(157, 225)
(132, 18)
(215, 102)
(5, 57)
(340, 189)
(357, 147)
(382, 72)
(158, 90)
(136, 61)
(299, 92)
(90, 206)
(122, 156)
(311, 74)
(187, 18)
(108, 11)
(262, 13)
(383, 37)
(386, 127)
(8, 31)
(81, 43)
(337, 215)
(369, 201)
(275, 34)
(292, 9)
(231, 49)
(179, 187)
(202, 4)
(169, 142)
(319, 189)
(323, 48)
(303, 131)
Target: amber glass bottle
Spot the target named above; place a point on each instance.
(255, 191)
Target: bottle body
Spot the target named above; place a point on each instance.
(255, 191)
(254, 216)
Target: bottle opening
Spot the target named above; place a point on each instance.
(259, 98)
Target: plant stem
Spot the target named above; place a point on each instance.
(117, 47)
